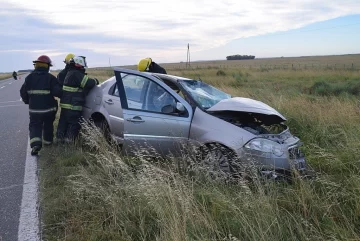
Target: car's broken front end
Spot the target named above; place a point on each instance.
(272, 149)
(277, 155)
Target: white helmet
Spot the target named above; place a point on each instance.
(80, 61)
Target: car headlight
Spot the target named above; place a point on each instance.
(265, 145)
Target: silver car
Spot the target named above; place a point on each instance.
(166, 114)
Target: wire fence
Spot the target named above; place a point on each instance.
(350, 67)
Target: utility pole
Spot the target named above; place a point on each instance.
(188, 56)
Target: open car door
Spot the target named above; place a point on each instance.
(156, 119)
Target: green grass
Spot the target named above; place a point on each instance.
(91, 192)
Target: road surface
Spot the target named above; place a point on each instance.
(14, 162)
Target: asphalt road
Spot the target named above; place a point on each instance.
(14, 120)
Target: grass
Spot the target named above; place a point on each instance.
(91, 192)
(5, 76)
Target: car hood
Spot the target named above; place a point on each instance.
(258, 109)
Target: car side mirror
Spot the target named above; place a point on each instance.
(168, 109)
(180, 107)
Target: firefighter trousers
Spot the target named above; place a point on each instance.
(69, 125)
(41, 128)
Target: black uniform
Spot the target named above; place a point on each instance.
(38, 92)
(61, 76)
(155, 68)
(75, 89)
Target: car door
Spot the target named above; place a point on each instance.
(111, 102)
(147, 129)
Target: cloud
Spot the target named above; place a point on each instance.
(207, 24)
(160, 28)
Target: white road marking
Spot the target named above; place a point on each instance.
(10, 106)
(29, 215)
(10, 101)
(10, 83)
(2, 87)
(10, 187)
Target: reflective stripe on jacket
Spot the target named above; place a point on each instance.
(75, 89)
(39, 91)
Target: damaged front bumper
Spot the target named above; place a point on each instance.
(287, 161)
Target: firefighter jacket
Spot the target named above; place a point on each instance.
(155, 68)
(75, 89)
(39, 91)
(61, 76)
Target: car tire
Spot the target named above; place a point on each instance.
(103, 126)
(218, 160)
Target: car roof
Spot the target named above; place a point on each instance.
(173, 78)
(169, 76)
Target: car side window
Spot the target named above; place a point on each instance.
(157, 98)
(115, 91)
(134, 89)
(145, 94)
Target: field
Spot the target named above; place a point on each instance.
(5, 76)
(91, 192)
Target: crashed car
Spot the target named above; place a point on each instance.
(165, 114)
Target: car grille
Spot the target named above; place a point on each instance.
(295, 153)
(297, 156)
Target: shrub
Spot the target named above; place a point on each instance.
(220, 73)
(321, 88)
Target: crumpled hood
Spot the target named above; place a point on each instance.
(261, 110)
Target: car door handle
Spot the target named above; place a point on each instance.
(137, 120)
(109, 101)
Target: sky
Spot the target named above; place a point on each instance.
(113, 32)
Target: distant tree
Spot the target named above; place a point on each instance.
(239, 57)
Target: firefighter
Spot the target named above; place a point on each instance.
(14, 75)
(38, 91)
(62, 74)
(148, 65)
(75, 89)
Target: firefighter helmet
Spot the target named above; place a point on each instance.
(68, 57)
(80, 61)
(43, 59)
(144, 64)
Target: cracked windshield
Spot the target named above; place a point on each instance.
(205, 95)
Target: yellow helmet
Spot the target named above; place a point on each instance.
(144, 64)
(68, 57)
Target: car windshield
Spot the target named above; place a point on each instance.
(204, 94)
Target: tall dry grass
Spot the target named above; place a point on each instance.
(5, 76)
(92, 192)
(107, 196)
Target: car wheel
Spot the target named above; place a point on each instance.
(104, 128)
(218, 160)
